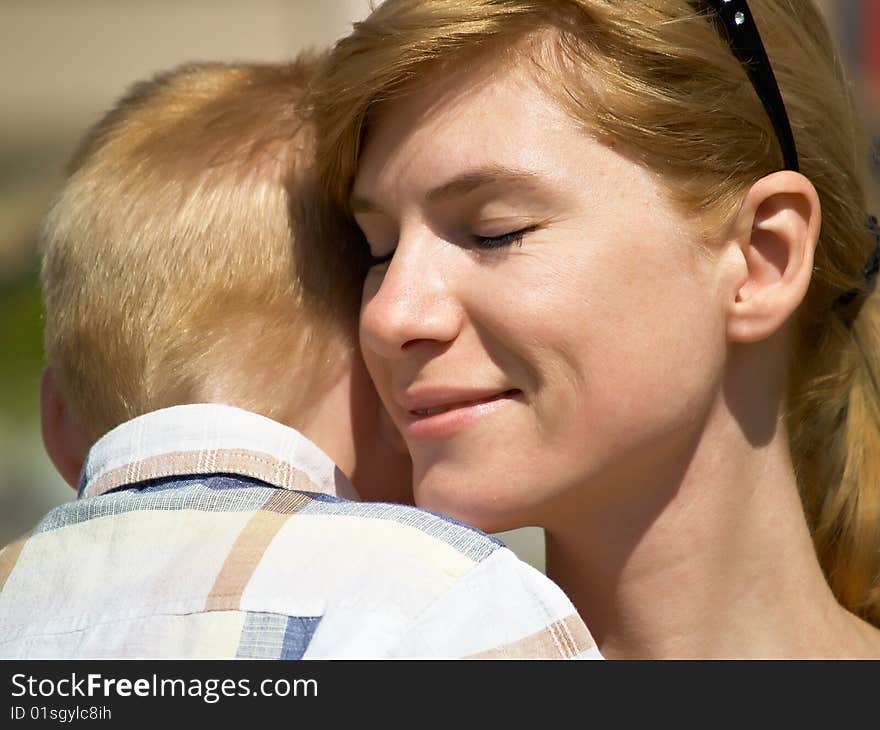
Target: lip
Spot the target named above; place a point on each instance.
(440, 412)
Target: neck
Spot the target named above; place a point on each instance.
(715, 561)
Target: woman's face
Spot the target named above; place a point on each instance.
(548, 333)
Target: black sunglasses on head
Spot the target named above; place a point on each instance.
(738, 27)
(735, 21)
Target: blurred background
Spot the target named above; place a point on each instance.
(64, 62)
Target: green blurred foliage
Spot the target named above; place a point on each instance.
(21, 345)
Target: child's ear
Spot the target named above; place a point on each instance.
(67, 442)
(776, 231)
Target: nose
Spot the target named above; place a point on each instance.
(412, 305)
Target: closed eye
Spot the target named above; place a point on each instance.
(514, 238)
(379, 260)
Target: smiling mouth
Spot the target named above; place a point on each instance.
(424, 412)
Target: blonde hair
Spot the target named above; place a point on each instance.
(171, 273)
(663, 84)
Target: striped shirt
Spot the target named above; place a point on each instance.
(205, 531)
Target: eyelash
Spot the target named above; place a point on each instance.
(514, 238)
(488, 243)
(379, 260)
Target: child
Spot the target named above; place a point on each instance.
(205, 394)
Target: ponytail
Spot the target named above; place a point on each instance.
(834, 422)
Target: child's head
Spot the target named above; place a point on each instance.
(179, 267)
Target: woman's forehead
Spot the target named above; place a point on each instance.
(461, 124)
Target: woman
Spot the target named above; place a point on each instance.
(610, 294)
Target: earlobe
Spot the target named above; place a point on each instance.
(776, 231)
(66, 440)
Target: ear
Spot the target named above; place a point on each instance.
(775, 232)
(67, 442)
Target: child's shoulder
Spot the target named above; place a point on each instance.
(469, 540)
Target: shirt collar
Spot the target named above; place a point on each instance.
(209, 438)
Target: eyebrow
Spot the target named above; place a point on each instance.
(462, 184)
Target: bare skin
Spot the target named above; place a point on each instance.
(557, 350)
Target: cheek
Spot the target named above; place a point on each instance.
(365, 321)
(372, 282)
(372, 362)
(609, 345)
(376, 366)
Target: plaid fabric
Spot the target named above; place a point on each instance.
(207, 531)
